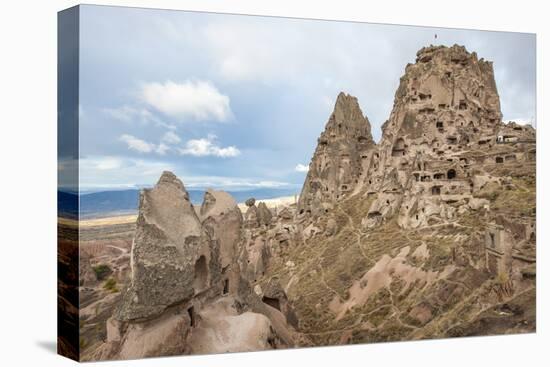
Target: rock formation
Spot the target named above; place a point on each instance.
(440, 210)
(428, 233)
(264, 214)
(339, 159)
(186, 292)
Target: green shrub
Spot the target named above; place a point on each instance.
(102, 271)
(110, 285)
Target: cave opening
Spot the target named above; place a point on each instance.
(226, 286)
(273, 302)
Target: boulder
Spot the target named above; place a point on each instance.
(222, 329)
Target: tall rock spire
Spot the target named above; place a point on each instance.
(337, 162)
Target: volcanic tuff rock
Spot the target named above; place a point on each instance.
(223, 221)
(169, 241)
(264, 214)
(338, 161)
(388, 238)
(186, 291)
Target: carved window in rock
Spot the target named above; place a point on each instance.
(451, 174)
(398, 148)
(499, 160)
(436, 190)
(452, 140)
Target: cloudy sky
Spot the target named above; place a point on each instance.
(238, 102)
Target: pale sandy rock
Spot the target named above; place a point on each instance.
(169, 244)
(331, 227)
(222, 330)
(339, 160)
(264, 214)
(251, 218)
(158, 337)
(222, 218)
(476, 204)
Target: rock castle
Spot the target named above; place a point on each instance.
(420, 235)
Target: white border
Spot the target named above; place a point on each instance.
(28, 181)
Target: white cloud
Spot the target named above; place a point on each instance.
(131, 114)
(197, 100)
(207, 147)
(171, 138)
(203, 147)
(301, 168)
(137, 144)
(162, 149)
(247, 50)
(116, 172)
(99, 172)
(108, 163)
(128, 113)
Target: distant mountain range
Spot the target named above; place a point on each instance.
(124, 202)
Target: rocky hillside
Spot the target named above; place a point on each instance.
(429, 233)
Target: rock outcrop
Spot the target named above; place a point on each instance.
(173, 258)
(186, 292)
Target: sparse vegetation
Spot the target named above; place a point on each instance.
(102, 271)
(111, 285)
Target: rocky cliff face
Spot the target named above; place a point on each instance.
(414, 237)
